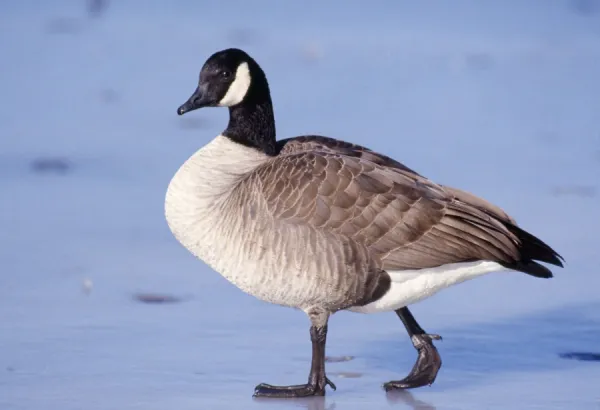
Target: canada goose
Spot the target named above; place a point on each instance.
(323, 225)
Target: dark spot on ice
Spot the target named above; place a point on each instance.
(582, 191)
(338, 359)
(583, 356)
(109, 95)
(55, 165)
(155, 298)
(584, 7)
(479, 61)
(96, 7)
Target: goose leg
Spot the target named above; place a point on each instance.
(428, 362)
(316, 378)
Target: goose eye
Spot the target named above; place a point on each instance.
(225, 74)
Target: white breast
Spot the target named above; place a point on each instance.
(230, 230)
(196, 202)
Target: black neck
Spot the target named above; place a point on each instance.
(252, 122)
(253, 125)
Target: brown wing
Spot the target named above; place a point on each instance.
(307, 143)
(404, 219)
(315, 142)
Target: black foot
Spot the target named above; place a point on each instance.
(425, 369)
(299, 390)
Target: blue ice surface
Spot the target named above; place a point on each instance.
(498, 98)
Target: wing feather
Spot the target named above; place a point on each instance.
(405, 222)
(417, 223)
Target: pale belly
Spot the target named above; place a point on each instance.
(267, 271)
(273, 264)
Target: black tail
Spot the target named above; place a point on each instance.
(532, 250)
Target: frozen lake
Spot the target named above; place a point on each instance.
(501, 99)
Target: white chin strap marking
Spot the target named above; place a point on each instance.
(238, 88)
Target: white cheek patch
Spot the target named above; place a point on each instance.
(238, 88)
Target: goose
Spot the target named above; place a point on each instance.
(323, 225)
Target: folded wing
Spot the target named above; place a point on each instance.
(404, 219)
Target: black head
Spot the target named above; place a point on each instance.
(228, 78)
(231, 78)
